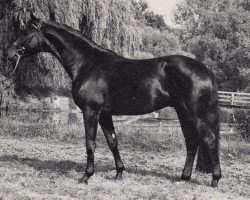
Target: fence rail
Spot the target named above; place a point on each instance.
(234, 99)
(162, 127)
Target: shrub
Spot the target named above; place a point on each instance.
(241, 120)
(225, 114)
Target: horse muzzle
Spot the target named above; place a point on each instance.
(13, 53)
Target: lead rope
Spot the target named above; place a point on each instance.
(17, 62)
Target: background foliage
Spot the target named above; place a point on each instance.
(217, 33)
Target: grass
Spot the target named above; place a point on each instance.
(137, 137)
(45, 161)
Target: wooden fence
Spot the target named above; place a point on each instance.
(171, 126)
(234, 99)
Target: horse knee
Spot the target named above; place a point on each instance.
(112, 141)
(205, 135)
(209, 141)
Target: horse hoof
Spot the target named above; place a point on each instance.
(185, 178)
(214, 184)
(118, 177)
(83, 180)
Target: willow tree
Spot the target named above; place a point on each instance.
(110, 23)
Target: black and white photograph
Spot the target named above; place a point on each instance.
(124, 99)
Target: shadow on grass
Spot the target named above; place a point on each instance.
(67, 166)
(44, 165)
(172, 177)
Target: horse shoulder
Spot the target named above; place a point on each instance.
(91, 91)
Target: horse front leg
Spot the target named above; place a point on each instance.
(109, 132)
(90, 122)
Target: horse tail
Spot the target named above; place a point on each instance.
(204, 162)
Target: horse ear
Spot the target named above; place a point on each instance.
(33, 18)
(83, 24)
(34, 21)
(52, 14)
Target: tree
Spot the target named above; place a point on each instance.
(155, 20)
(217, 33)
(157, 38)
(159, 43)
(147, 16)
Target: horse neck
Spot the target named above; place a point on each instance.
(70, 48)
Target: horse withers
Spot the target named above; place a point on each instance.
(106, 84)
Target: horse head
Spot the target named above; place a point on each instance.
(30, 42)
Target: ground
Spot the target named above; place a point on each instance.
(42, 168)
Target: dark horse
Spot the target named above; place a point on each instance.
(105, 84)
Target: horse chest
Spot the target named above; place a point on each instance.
(90, 92)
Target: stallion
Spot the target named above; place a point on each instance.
(106, 84)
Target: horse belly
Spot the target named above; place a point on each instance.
(138, 104)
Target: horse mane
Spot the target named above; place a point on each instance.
(79, 35)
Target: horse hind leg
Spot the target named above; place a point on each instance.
(109, 132)
(209, 144)
(200, 132)
(190, 134)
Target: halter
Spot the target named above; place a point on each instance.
(21, 51)
(17, 62)
(37, 29)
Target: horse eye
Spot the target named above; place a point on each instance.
(26, 32)
(22, 32)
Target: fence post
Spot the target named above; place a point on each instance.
(160, 127)
(232, 99)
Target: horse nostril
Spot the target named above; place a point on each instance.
(7, 55)
(11, 55)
